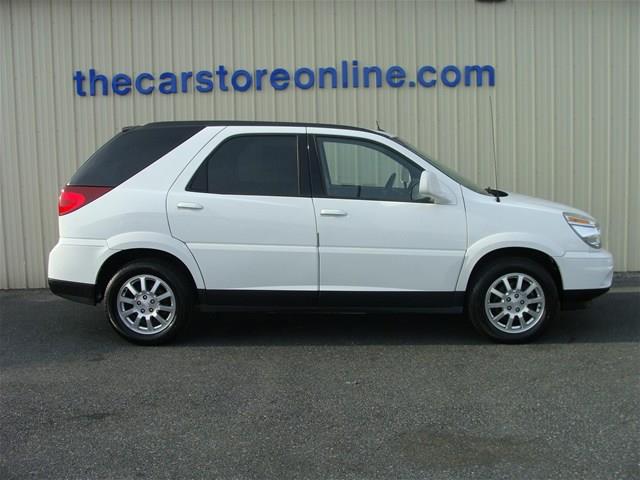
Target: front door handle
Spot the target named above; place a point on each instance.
(328, 212)
(190, 206)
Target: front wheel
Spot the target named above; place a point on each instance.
(148, 302)
(513, 300)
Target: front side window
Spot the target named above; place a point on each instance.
(251, 165)
(365, 170)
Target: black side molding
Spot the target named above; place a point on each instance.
(258, 299)
(78, 292)
(400, 300)
(361, 301)
(578, 299)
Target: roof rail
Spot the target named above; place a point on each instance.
(230, 123)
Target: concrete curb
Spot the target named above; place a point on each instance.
(626, 279)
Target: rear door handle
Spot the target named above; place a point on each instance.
(190, 206)
(328, 212)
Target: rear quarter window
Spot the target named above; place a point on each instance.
(128, 153)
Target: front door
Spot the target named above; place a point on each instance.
(377, 244)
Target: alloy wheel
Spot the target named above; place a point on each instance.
(514, 303)
(146, 304)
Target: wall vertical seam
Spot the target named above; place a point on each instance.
(193, 57)
(456, 103)
(56, 131)
(436, 146)
(608, 144)
(132, 60)
(590, 85)
(514, 62)
(572, 107)
(114, 121)
(476, 169)
(416, 129)
(534, 135)
(630, 64)
(553, 107)
(38, 159)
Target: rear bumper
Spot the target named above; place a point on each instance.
(73, 268)
(77, 260)
(78, 292)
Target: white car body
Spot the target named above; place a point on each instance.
(277, 245)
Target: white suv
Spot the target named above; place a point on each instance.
(252, 215)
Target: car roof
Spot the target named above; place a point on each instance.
(247, 123)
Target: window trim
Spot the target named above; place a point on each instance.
(318, 175)
(304, 187)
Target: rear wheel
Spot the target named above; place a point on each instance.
(512, 300)
(148, 302)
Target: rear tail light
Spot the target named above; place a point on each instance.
(72, 197)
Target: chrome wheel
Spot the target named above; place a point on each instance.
(146, 304)
(514, 303)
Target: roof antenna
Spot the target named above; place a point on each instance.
(496, 192)
(378, 126)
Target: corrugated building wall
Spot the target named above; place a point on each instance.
(566, 95)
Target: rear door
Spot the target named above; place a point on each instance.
(243, 208)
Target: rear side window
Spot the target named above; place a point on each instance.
(129, 152)
(251, 165)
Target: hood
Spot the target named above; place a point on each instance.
(540, 204)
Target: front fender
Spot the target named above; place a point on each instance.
(161, 242)
(499, 241)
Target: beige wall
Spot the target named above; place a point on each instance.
(566, 94)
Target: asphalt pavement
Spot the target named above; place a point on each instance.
(272, 396)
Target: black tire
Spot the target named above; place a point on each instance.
(183, 296)
(480, 284)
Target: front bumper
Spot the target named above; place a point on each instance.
(577, 299)
(585, 276)
(589, 270)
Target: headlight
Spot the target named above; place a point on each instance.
(586, 228)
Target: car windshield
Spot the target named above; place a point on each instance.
(443, 168)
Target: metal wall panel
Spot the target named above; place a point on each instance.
(566, 96)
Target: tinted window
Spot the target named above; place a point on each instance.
(359, 169)
(251, 165)
(130, 152)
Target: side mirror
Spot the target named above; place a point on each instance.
(430, 187)
(426, 179)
